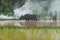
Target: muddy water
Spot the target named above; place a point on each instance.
(24, 23)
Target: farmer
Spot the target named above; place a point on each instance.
(55, 18)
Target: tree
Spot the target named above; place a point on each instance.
(7, 6)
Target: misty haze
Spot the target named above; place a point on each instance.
(44, 9)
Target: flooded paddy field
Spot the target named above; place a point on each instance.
(23, 23)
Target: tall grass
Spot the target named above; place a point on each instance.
(17, 33)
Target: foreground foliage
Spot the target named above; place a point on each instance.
(17, 33)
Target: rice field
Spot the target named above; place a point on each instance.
(17, 33)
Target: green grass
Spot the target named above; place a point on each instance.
(17, 33)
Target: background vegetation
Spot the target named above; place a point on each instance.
(6, 7)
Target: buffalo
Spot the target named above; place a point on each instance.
(28, 17)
